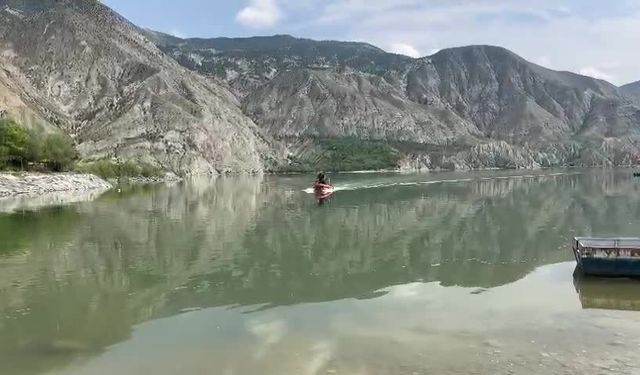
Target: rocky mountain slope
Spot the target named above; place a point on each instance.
(77, 65)
(632, 90)
(248, 63)
(486, 105)
(249, 104)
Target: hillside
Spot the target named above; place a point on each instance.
(632, 90)
(493, 107)
(247, 63)
(81, 67)
(282, 103)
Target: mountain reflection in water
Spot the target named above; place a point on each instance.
(75, 279)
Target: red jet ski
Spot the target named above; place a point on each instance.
(322, 190)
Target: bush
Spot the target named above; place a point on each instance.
(346, 154)
(102, 168)
(150, 171)
(58, 152)
(109, 169)
(352, 154)
(128, 169)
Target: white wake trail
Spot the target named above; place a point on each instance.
(348, 187)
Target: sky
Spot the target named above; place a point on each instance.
(598, 38)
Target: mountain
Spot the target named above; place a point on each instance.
(248, 63)
(632, 90)
(466, 107)
(284, 103)
(79, 66)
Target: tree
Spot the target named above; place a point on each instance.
(58, 152)
(3, 155)
(34, 147)
(14, 143)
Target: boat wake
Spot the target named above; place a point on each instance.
(350, 187)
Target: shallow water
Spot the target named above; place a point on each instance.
(440, 273)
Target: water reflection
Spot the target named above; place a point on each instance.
(34, 202)
(76, 279)
(610, 294)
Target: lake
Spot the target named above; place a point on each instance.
(439, 273)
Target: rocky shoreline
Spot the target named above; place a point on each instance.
(33, 184)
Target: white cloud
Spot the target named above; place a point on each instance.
(404, 49)
(594, 72)
(259, 14)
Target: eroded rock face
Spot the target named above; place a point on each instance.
(85, 69)
(325, 103)
(484, 99)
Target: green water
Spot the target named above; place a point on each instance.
(439, 273)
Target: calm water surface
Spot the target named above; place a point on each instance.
(396, 274)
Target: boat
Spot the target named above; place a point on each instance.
(613, 257)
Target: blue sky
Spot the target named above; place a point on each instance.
(593, 37)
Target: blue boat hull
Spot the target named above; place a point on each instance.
(610, 267)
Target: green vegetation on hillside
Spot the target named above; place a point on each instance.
(346, 154)
(109, 169)
(29, 150)
(24, 149)
(353, 154)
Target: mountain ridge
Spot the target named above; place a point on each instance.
(467, 96)
(167, 40)
(265, 42)
(277, 102)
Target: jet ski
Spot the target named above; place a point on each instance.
(322, 190)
